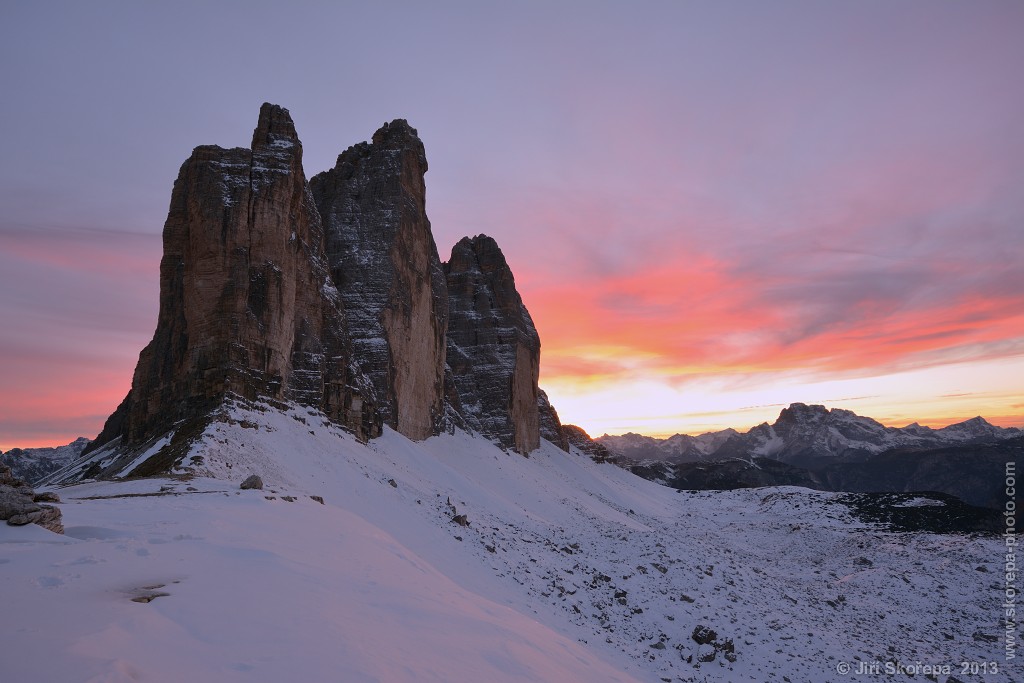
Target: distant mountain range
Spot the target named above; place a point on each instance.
(32, 464)
(837, 450)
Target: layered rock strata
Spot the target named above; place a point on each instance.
(247, 305)
(328, 294)
(493, 346)
(385, 264)
(20, 505)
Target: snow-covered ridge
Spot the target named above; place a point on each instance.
(802, 432)
(568, 570)
(32, 464)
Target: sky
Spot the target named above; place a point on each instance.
(712, 209)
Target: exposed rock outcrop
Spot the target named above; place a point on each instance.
(247, 306)
(386, 266)
(734, 474)
(328, 294)
(493, 346)
(20, 505)
(550, 425)
(253, 481)
(578, 437)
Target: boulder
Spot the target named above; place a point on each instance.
(18, 507)
(253, 481)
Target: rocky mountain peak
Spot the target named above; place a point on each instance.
(385, 264)
(976, 427)
(328, 294)
(399, 135)
(276, 130)
(480, 259)
(247, 308)
(33, 464)
(493, 346)
(801, 413)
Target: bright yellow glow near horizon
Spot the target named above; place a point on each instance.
(648, 405)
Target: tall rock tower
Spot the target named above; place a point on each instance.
(247, 306)
(493, 346)
(328, 294)
(385, 264)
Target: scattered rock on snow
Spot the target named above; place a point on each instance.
(253, 481)
(703, 635)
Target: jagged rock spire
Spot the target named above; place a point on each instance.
(246, 303)
(493, 346)
(264, 300)
(385, 263)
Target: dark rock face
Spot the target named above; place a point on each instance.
(328, 294)
(385, 264)
(973, 473)
(247, 306)
(19, 504)
(929, 512)
(578, 437)
(493, 347)
(740, 474)
(550, 425)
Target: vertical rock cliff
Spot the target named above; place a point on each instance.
(247, 306)
(493, 346)
(328, 294)
(385, 264)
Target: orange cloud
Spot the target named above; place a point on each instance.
(691, 317)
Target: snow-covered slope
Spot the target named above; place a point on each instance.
(568, 571)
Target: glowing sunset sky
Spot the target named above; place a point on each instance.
(711, 209)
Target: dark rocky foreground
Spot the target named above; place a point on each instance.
(926, 511)
(20, 505)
